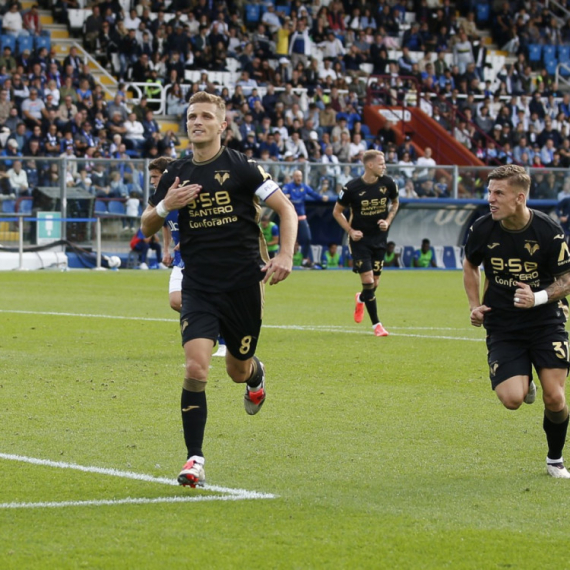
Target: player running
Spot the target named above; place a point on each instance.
(373, 202)
(226, 265)
(524, 310)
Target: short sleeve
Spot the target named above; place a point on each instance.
(343, 198)
(559, 255)
(472, 251)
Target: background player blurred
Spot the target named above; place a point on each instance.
(373, 202)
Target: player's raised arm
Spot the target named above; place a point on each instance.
(176, 197)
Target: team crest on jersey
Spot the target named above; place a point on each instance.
(383, 189)
(493, 368)
(532, 247)
(222, 177)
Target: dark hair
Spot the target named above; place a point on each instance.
(160, 163)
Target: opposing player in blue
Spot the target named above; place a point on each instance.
(298, 192)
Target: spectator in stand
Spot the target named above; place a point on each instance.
(32, 109)
(12, 22)
(300, 44)
(427, 163)
(18, 179)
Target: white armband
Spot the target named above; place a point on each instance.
(266, 189)
(540, 298)
(161, 209)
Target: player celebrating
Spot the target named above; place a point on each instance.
(373, 202)
(524, 310)
(217, 193)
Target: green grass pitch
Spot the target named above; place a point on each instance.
(380, 452)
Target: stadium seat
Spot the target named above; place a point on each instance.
(116, 207)
(548, 53)
(252, 14)
(551, 65)
(365, 130)
(449, 256)
(101, 207)
(9, 206)
(483, 13)
(407, 255)
(564, 54)
(42, 41)
(8, 40)
(25, 42)
(24, 205)
(534, 53)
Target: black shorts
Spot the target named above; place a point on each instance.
(236, 315)
(514, 354)
(368, 254)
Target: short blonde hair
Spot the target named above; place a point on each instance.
(371, 155)
(203, 97)
(513, 174)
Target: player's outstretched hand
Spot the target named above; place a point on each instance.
(277, 269)
(179, 196)
(477, 315)
(524, 297)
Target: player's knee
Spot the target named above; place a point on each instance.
(554, 399)
(196, 370)
(511, 402)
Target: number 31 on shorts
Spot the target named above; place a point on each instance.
(561, 350)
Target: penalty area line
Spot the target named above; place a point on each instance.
(127, 501)
(228, 492)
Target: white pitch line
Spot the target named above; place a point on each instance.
(310, 328)
(127, 501)
(239, 493)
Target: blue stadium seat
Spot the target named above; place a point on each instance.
(8, 40)
(550, 66)
(43, 41)
(365, 130)
(564, 54)
(407, 255)
(483, 12)
(8, 206)
(25, 42)
(252, 14)
(116, 207)
(534, 53)
(452, 257)
(101, 207)
(548, 53)
(25, 205)
(285, 8)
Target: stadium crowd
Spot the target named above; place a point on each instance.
(302, 81)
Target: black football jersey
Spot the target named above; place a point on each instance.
(368, 203)
(535, 255)
(220, 240)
